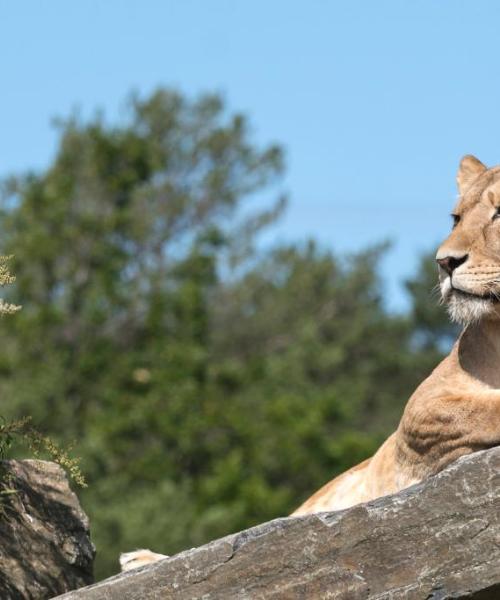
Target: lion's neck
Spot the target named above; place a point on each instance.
(479, 352)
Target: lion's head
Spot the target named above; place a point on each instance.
(469, 259)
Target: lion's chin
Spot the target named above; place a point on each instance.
(466, 308)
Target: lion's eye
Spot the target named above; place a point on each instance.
(497, 213)
(456, 220)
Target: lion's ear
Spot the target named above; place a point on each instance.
(470, 168)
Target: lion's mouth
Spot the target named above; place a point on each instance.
(490, 297)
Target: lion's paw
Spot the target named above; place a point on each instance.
(138, 558)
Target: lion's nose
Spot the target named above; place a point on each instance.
(450, 263)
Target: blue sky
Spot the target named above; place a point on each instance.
(374, 101)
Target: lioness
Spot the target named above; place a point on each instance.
(456, 410)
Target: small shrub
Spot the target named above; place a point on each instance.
(21, 430)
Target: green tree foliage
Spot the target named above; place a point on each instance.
(207, 386)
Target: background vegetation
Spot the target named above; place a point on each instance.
(208, 384)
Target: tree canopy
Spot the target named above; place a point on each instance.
(208, 383)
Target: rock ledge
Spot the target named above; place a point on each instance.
(437, 540)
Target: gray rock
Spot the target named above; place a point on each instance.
(45, 547)
(437, 540)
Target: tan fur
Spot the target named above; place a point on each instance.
(456, 410)
(138, 558)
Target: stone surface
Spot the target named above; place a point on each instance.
(45, 548)
(437, 540)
